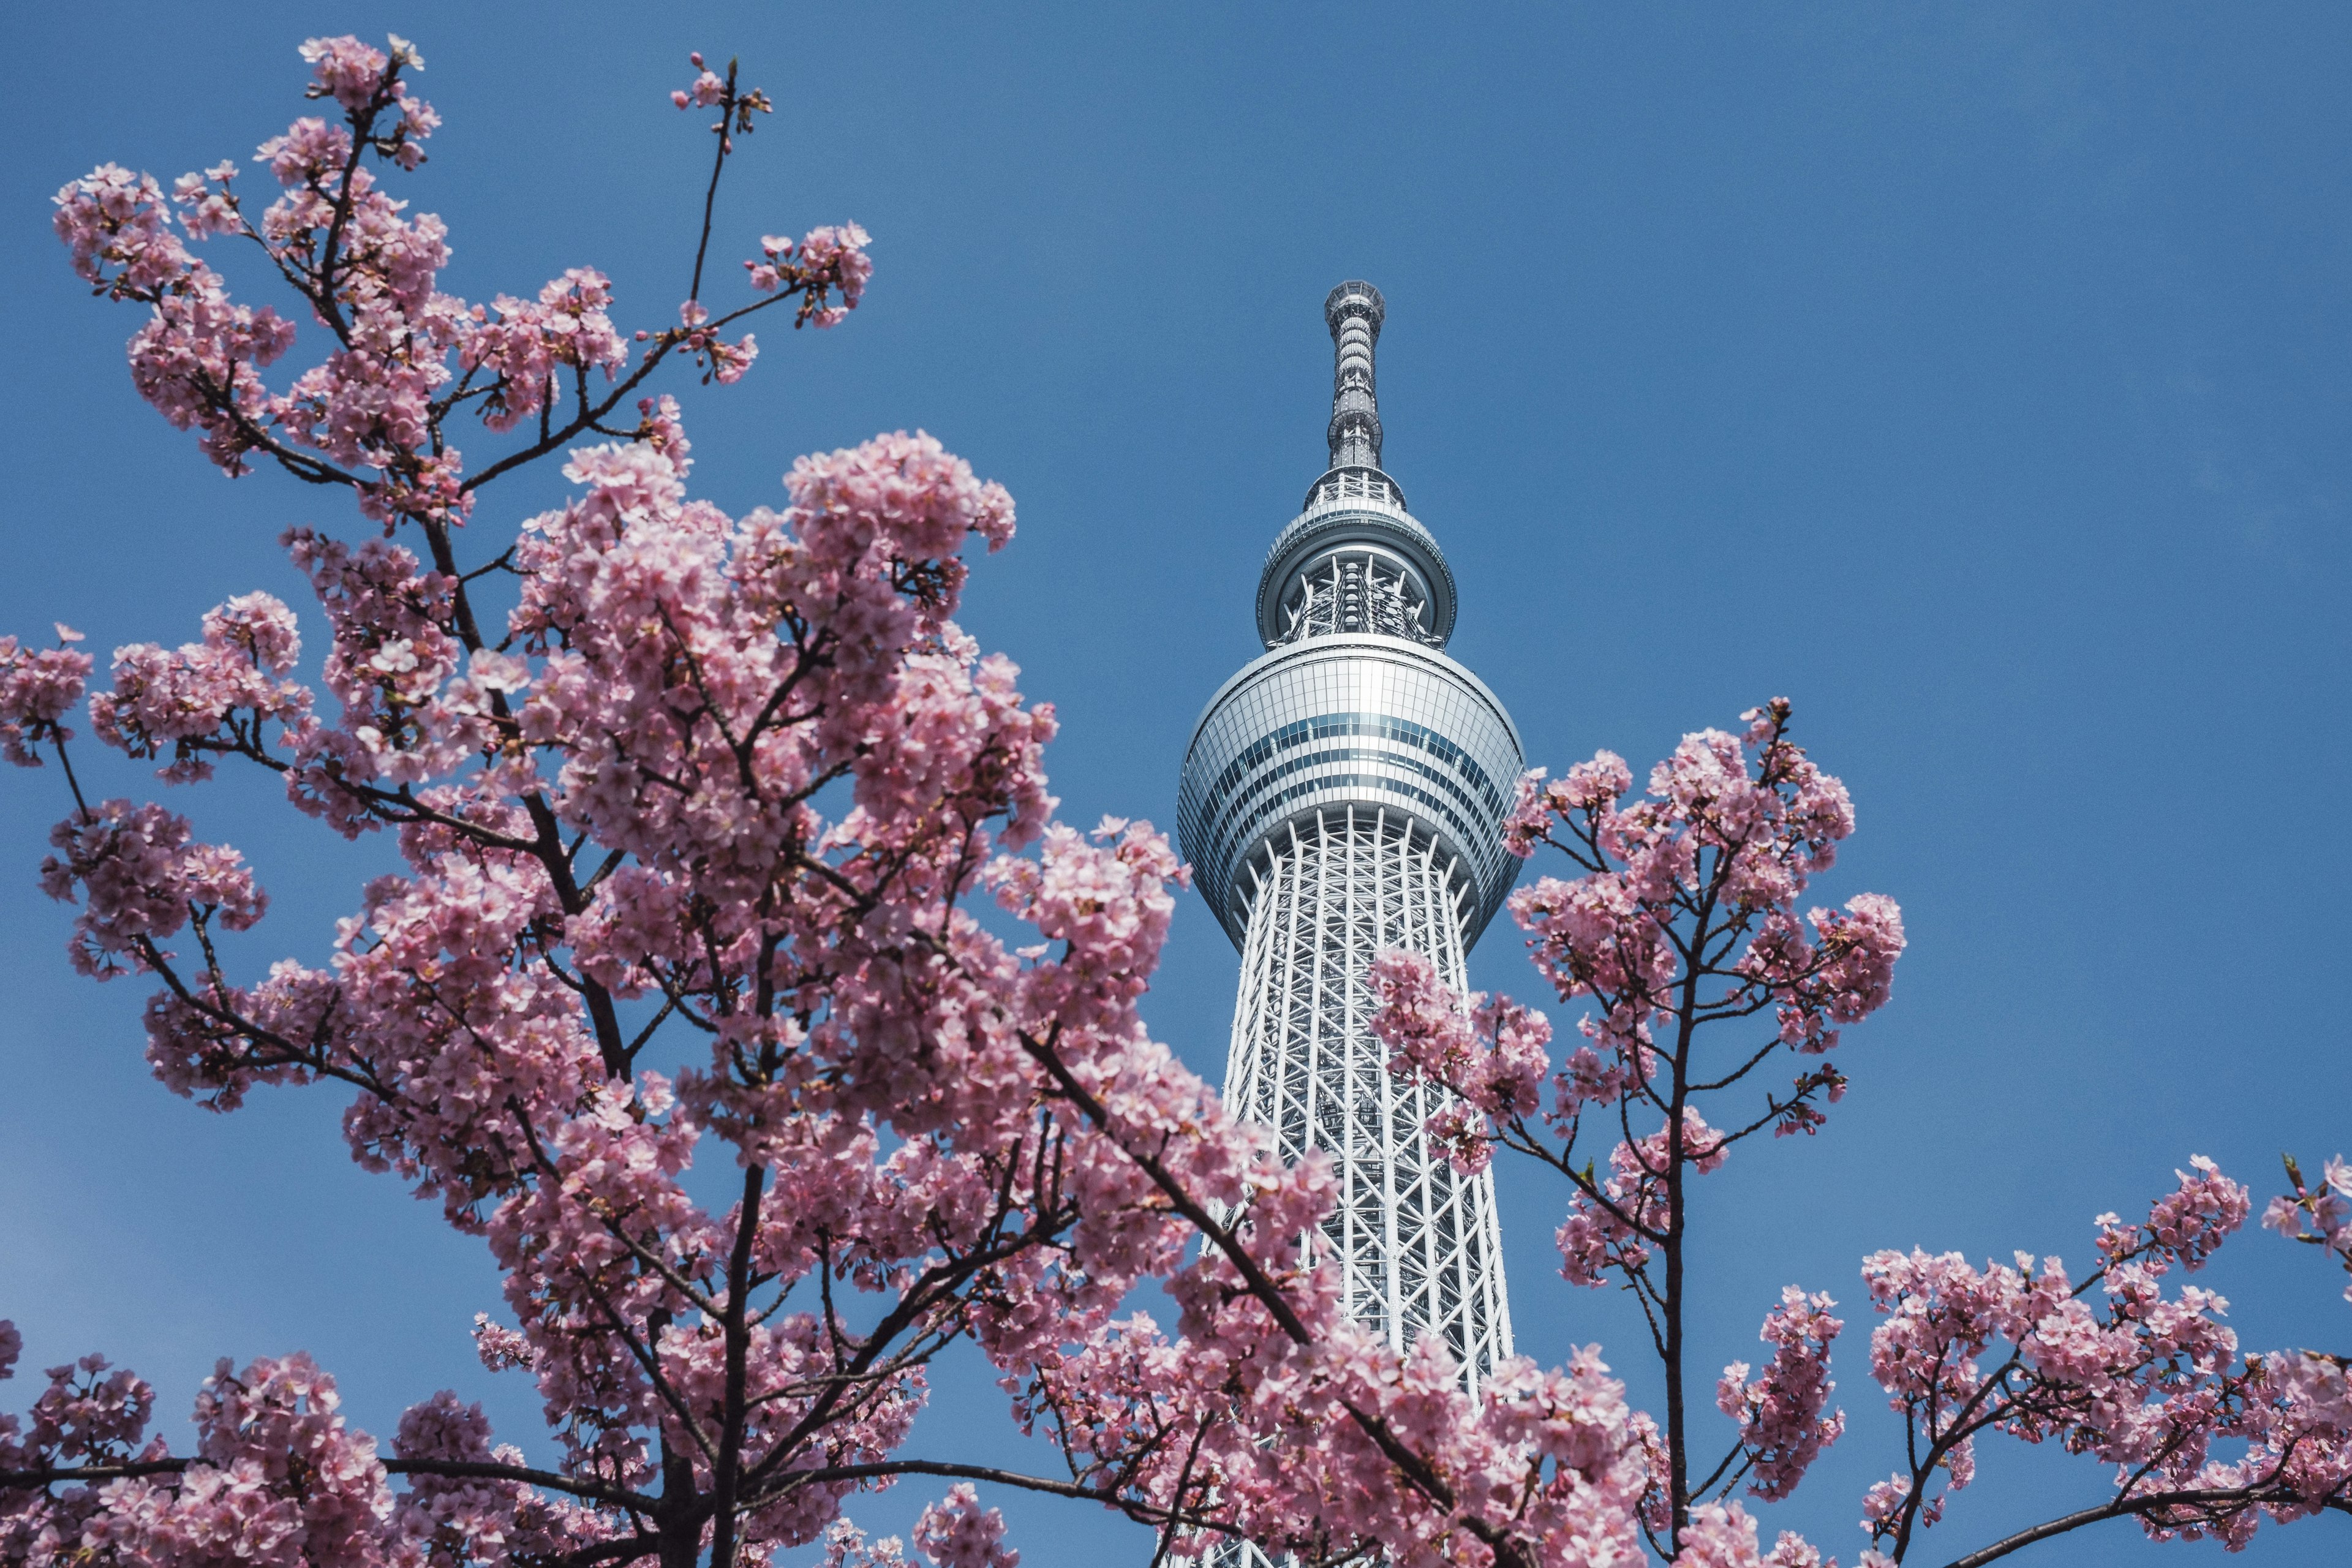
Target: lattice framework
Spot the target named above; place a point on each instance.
(1417, 1242)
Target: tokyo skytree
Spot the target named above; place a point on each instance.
(1345, 794)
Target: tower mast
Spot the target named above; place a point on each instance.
(1344, 794)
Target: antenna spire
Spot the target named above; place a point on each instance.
(1354, 311)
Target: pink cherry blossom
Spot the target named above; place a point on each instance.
(827, 260)
(1494, 1055)
(2188, 1224)
(2147, 1383)
(1724, 1536)
(403, 358)
(2318, 1214)
(207, 695)
(1780, 1422)
(957, 1533)
(37, 687)
(752, 769)
(1678, 925)
(834, 258)
(530, 345)
(140, 877)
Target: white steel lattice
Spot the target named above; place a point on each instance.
(1417, 1242)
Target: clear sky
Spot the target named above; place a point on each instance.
(1976, 376)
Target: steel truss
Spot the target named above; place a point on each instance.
(1418, 1244)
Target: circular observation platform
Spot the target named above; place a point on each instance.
(1392, 729)
(1356, 511)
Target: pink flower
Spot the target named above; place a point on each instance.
(36, 688)
(833, 258)
(957, 1533)
(1723, 1536)
(1493, 1054)
(141, 878)
(529, 344)
(2191, 1223)
(704, 90)
(1780, 1414)
(344, 69)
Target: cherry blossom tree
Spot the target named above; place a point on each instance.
(699, 822)
(1679, 934)
(692, 813)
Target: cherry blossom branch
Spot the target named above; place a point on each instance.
(550, 1480)
(363, 119)
(728, 1466)
(2232, 1500)
(1138, 1510)
(2316, 1216)
(917, 1303)
(1685, 917)
(741, 112)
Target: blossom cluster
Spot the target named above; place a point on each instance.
(277, 1476)
(1685, 915)
(139, 876)
(1612, 1226)
(174, 699)
(1780, 1414)
(829, 259)
(404, 356)
(2110, 1367)
(37, 687)
(2318, 1216)
(1681, 924)
(1723, 1535)
(1490, 1052)
(1731, 823)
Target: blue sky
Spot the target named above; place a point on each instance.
(1978, 376)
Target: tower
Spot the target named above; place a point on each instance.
(1342, 794)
